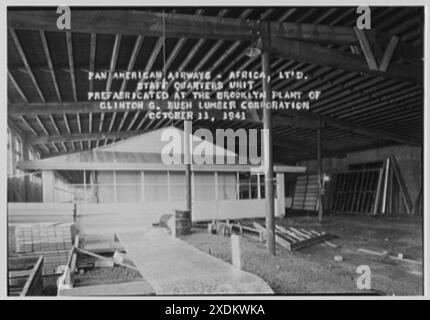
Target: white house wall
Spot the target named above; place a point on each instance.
(98, 218)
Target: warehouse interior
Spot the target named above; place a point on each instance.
(351, 166)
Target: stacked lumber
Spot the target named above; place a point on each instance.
(295, 238)
(39, 237)
(52, 240)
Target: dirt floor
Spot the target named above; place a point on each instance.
(313, 270)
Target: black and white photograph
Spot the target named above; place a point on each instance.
(215, 151)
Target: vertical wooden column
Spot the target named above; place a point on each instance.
(187, 161)
(320, 177)
(268, 146)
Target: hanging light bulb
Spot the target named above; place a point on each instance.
(253, 52)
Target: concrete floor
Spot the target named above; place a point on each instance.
(174, 267)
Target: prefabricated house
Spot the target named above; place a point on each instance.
(130, 177)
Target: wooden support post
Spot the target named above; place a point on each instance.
(268, 146)
(187, 161)
(235, 251)
(320, 177)
(384, 194)
(378, 191)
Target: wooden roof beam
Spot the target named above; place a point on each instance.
(71, 65)
(189, 26)
(17, 87)
(26, 64)
(301, 51)
(50, 64)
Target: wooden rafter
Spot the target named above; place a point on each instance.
(44, 129)
(50, 65)
(28, 125)
(114, 57)
(92, 59)
(17, 87)
(71, 65)
(113, 60)
(26, 64)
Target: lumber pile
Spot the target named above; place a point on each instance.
(52, 240)
(295, 238)
(38, 237)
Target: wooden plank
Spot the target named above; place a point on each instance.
(34, 284)
(107, 259)
(308, 242)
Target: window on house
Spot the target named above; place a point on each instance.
(248, 185)
(226, 186)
